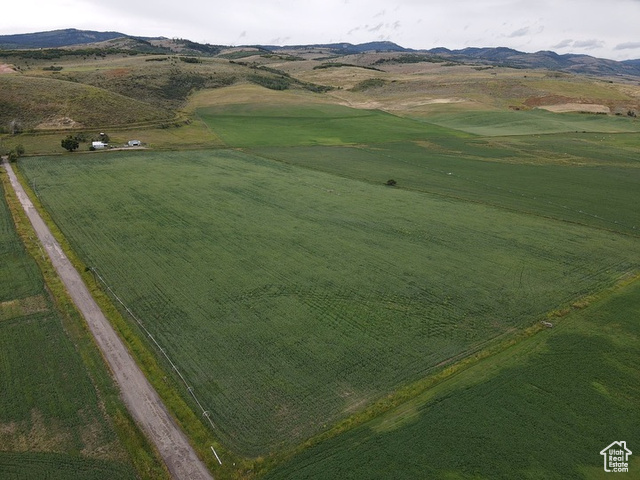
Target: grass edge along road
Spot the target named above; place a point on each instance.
(141, 399)
(141, 452)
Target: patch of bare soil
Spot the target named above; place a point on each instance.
(547, 100)
(561, 104)
(577, 107)
(58, 122)
(398, 105)
(4, 68)
(22, 307)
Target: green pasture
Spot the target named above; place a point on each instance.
(291, 298)
(19, 273)
(532, 122)
(573, 178)
(48, 395)
(56, 466)
(250, 125)
(589, 177)
(544, 408)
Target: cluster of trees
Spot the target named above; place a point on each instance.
(13, 154)
(72, 142)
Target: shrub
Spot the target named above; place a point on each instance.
(70, 143)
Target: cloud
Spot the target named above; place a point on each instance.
(627, 46)
(376, 28)
(588, 44)
(563, 44)
(519, 33)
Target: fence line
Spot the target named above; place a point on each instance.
(205, 413)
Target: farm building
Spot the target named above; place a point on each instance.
(99, 145)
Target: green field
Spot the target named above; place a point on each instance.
(565, 177)
(534, 122)
(542, 409)
(248, 125)
(52, 424)
(55, 466)
(21, 278)
(292, 298)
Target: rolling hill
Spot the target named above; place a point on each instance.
(573, 63)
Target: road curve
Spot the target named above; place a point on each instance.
(141, 399)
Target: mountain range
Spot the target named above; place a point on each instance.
(501, 56)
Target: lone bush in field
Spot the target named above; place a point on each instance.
(391, 183)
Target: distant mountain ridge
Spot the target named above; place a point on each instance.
(58, 38)
(498, 56)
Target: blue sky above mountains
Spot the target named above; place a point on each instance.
(594, 27)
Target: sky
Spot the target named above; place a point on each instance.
(600, 28)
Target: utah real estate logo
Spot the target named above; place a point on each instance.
(616, 457)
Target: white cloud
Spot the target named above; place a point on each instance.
(519, 33)
(588, 44)
(628, 46)
(563, 44)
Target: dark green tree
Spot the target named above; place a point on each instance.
(70, 143)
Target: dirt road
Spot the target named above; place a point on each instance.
(141, 399)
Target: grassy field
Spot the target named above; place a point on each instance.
(544, 408)
(293, 298)
(564, 175)
(247, 125)
(21, 278)
(540, 122)
(52, 418)
(55, 466)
